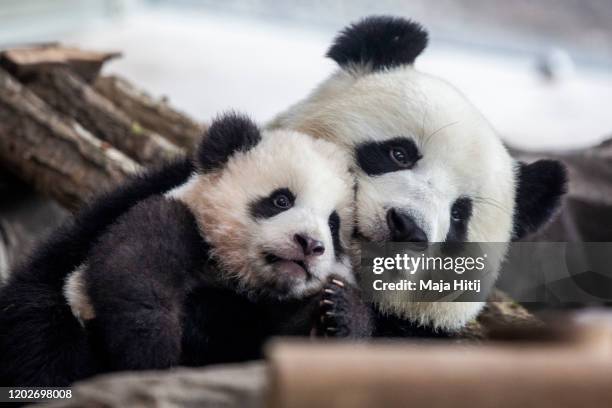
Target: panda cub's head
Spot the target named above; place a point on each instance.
(274, 206)
(429, 167)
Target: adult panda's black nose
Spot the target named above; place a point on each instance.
(404, 228)
(309, 246)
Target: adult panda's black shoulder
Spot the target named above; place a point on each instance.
(204, 273)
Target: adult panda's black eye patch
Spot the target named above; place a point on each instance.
(376, 158)
(275, 203)
(334, 228)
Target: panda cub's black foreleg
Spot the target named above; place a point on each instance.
(138, 277)
(342, 311)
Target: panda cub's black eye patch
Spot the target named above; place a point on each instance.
(396, 154)
(278, 201)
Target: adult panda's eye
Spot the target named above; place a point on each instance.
(282, 201)
(455, 215)
(402, 158)
(398, 155)
(461, 209)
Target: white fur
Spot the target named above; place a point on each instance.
(318, 174)
(316, 171)
(75, 293)
(462, 155)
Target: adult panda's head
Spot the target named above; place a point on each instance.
(276, 207)
(429, 167)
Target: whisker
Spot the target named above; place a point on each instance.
(439, 130)
(494, 203)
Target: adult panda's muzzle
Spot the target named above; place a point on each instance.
(404, 228)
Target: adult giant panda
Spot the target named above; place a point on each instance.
(253, 244)
(429, 167)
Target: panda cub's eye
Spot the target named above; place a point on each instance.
(276, 202)
(281, 201)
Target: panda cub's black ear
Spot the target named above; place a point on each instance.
(379, 42)
(227, 135)
(541, 185)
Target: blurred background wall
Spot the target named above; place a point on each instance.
(539, 70)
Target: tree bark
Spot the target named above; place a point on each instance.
(51, 151)
(153, 114)
(70, 95)
(26, 61)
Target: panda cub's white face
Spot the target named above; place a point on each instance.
(278, 216)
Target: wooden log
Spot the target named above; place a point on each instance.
(26, 61)
(500, 316)
(438, 375)
(154, 114)
(221, 386)
(68, 94)
(52, 152)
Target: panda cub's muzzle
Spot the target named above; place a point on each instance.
(295, 262)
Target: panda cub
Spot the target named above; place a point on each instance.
(252, 245)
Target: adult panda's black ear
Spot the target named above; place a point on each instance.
(228, 134)
(378, 42)
(540, 187)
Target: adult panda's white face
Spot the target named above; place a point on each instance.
(276, 207)
(429, 167)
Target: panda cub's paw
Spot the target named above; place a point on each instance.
(342, 312)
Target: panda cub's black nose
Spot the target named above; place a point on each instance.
(309, 246)
(404, 228)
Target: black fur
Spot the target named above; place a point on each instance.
(461, 212)
(541, 185)
(265, 207)
(343, 312)
(222, 326)
(41, 343)
(226, 135)
(159, 302)
(37, 326)
(67, 247)
(334, 227)
(137, 278)
(379, 42)
(390, 325)
(374, 158)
